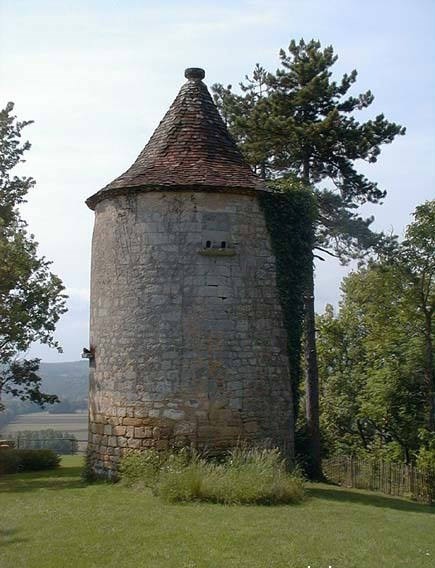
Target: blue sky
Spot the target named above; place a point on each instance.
(98, 76)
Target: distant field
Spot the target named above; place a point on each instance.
(77, 424)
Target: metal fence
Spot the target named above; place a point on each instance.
(401, 480)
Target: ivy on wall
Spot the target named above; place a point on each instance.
(290, 212)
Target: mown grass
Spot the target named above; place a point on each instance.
(53, 520)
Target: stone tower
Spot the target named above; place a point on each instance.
(188, 344)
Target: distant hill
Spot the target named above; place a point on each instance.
(67, 380)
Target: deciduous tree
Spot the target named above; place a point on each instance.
(376, 354)
(31, 297)
(415, 259)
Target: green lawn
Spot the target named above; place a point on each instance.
(52, 520)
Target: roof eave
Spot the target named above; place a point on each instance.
(107, 193)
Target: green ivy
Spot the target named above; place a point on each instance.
(290, 217)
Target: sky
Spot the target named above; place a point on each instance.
(97, 77)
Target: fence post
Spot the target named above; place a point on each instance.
(384, 477)
(352, 473)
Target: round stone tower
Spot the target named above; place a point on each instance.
(188, 344)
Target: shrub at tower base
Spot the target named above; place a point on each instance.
(246, 476)
(290, 217)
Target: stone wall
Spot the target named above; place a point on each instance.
(186, 325)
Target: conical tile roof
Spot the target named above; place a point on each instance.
(190, 149)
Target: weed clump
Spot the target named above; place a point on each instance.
(246, 476)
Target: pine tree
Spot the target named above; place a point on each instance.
(299, 122)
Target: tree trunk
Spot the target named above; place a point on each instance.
(312, 383)
(311, 367)
(361, 433)
(429, 371)
(263, 170)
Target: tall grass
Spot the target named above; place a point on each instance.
(247, 476)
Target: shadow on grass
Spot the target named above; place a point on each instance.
(8, 536)
(333, 493)
(56, 479)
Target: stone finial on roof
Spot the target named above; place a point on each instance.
(194, 73)
(190, 149)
